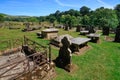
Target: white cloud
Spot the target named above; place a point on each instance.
(77, 6)
(68, 5)
(105, 4)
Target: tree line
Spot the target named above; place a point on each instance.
(101, 17)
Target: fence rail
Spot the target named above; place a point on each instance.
(21, 66)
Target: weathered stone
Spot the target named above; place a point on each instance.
(78, 43)
(84, 32)
(57, 41)
(91, 29)
(64, 58)
(94, 37)
(78, 28)
(27, 25)
(67, 27)
(49, 33)
(39, 34)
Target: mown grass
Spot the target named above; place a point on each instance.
(101, 62)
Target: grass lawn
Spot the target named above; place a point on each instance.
(101, 62)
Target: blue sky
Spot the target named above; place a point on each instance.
(45, 7)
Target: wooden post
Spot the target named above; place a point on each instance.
(25, 42)
(49, 53)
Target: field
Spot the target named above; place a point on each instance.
(101, 62)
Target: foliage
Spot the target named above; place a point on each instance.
(104, 17)
(100, 17)
(84, 10)
(32, 19)
(85, 20)
(52, 18)
(70, 20)
(117, 8)
(1, 18)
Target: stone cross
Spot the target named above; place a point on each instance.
(64, 58)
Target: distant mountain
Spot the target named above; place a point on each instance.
(18, 16)
(3, 14)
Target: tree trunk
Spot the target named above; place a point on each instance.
(117, 36)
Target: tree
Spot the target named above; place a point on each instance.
(84, 10)
(69, 20)
(32, 19)
(57, 15)
(117, 9)
(1, 18)
(42, 18)
(85, 20)
(105, 17)
(52, 19)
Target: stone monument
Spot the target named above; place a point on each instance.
(91, 29)
(67, 27)
(78, 28)
(64, 58)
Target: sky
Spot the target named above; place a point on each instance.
(46, 7)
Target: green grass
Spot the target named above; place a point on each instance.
(101, 62)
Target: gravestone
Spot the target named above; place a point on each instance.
(78, 28)
(87, 27)
(64, 58)
(57, 40)
(117, 36)
(49, 33)
(27, 25)
(91, 29)
(106, 31)
(66, 27)
(70, 25)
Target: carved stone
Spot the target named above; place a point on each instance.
(64, 58)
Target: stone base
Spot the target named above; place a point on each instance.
(98, 41)
(108, 38)
(69, 67)
(60, 64)
(95, 40)
(83, 50)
